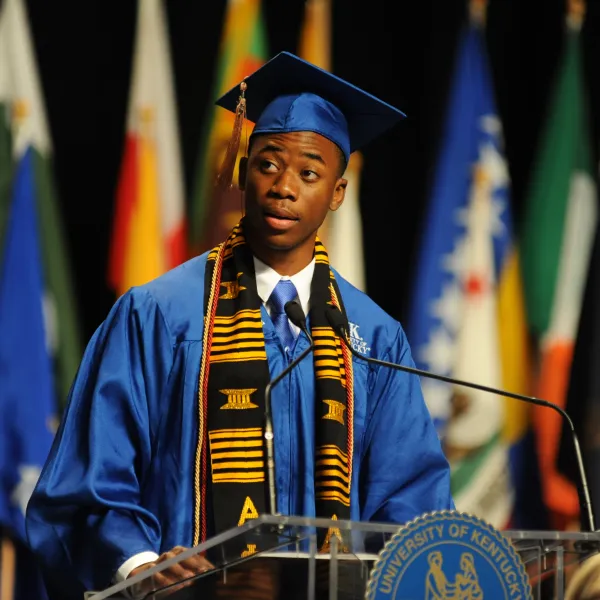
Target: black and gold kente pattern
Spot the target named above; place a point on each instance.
(238, 334)
(230, 448)
(237, 455)
(334, 382)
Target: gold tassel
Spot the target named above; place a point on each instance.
(225, 177)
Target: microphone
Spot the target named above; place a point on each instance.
(295, 314)
(340, 325)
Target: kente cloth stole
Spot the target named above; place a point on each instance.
(234, 374)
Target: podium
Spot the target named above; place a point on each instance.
(279, 557)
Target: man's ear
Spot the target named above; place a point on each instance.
(339, 193)
(243, 171)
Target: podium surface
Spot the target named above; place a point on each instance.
(310, 558)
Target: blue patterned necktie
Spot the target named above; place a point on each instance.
(284, 291)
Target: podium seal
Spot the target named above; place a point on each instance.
(448, 555)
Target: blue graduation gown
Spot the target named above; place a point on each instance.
(119, 479)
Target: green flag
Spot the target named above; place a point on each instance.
(243, 49)
(556, 242)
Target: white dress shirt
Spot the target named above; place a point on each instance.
(266, 280)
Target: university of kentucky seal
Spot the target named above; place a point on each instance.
(448, 555)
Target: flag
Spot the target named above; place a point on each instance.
(149, 231)
(5, 133)
(22, 110)
(315, 37)
(342, 230)
(39, 337)
(27, 397)
(243, 49)
(557, 237)
(467, 318)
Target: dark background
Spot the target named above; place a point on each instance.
(400, 51)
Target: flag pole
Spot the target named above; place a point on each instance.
(7, 569)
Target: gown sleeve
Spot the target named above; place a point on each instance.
(404, 472)
(85, 517)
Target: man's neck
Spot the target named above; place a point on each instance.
(284, 262)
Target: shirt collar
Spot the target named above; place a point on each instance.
(267, 278)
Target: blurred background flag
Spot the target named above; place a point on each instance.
(243, 49)
(38, 316)
(27, 399)
(149, 230)
(467, 318)
(342, 230)
(557, 238)
(21, 97)
(343, 233)
(23, 113)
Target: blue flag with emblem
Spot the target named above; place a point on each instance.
(27, 402)
(467, 317)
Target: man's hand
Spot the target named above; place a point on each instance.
(185, 569)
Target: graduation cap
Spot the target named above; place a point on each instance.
(289, 94)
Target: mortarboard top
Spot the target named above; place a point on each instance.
(289, 94)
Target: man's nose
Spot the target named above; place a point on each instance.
(285, 186)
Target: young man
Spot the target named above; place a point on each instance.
(161, 444)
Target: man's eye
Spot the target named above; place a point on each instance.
(310, 175)
(268, 166)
